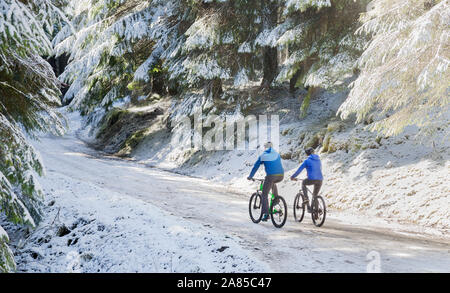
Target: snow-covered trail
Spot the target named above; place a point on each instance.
(335, 247)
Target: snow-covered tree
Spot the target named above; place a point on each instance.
(318, 36)
(404, 77)
(125, 49)
(122, 50)
(116, 49)
(28, 92)
(197, 60)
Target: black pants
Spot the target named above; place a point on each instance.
(269, 183)
(317, 185)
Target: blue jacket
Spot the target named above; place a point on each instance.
(272, 163)
(313, 168)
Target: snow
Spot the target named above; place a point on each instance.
(270, 37)
(245, 48)
(303, 5)
(115, 232)
(241, 78)
(123, 216)
(202, 34)
(3, 235)
(413, 190)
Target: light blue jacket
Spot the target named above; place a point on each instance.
(272, 163)
(313, 168)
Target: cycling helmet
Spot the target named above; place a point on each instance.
(309, 151)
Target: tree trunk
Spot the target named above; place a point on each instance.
(270, 54)
(214, 88)
(293, 80)
(159, 84)
(270, 66)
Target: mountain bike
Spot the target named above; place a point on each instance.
(317, 208)
(277, 207)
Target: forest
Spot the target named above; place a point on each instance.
(131, 67)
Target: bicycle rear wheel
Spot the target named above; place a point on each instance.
(318, 211)
(278, 212)
(254, 208)
(299, 208)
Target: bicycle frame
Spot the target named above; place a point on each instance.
(271, 195)
(312, 195)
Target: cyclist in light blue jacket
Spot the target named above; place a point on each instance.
(274, 174)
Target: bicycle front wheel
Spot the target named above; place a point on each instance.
(319, 211)
(299, 208)
(254, 208)
(278, 212)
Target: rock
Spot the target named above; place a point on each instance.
(222, 249)
(72, 241)
(286, 156)
(80, 222)
(45, 239)
(35, 255)
(86, 256)
(62, 231)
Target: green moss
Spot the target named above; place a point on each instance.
(335, 126)
(155, 97)
(313, 142)
(356, 147)
(331, 148)
(326, 143)
(306, 101)
(134, 139)
(378, 139)
(301, 137)
(286, 156)
(285, 132)
(135, 85)
(305, 105)
(110, 119)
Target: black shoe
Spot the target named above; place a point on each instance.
(265, 217)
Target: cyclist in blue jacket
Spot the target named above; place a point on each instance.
(314, 171)
(274, 174)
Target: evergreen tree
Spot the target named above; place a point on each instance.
(404, 70)
(122, 50)
(116, 49)
(318, 36)
(28, 92)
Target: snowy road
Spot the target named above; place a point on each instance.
(194, 203)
